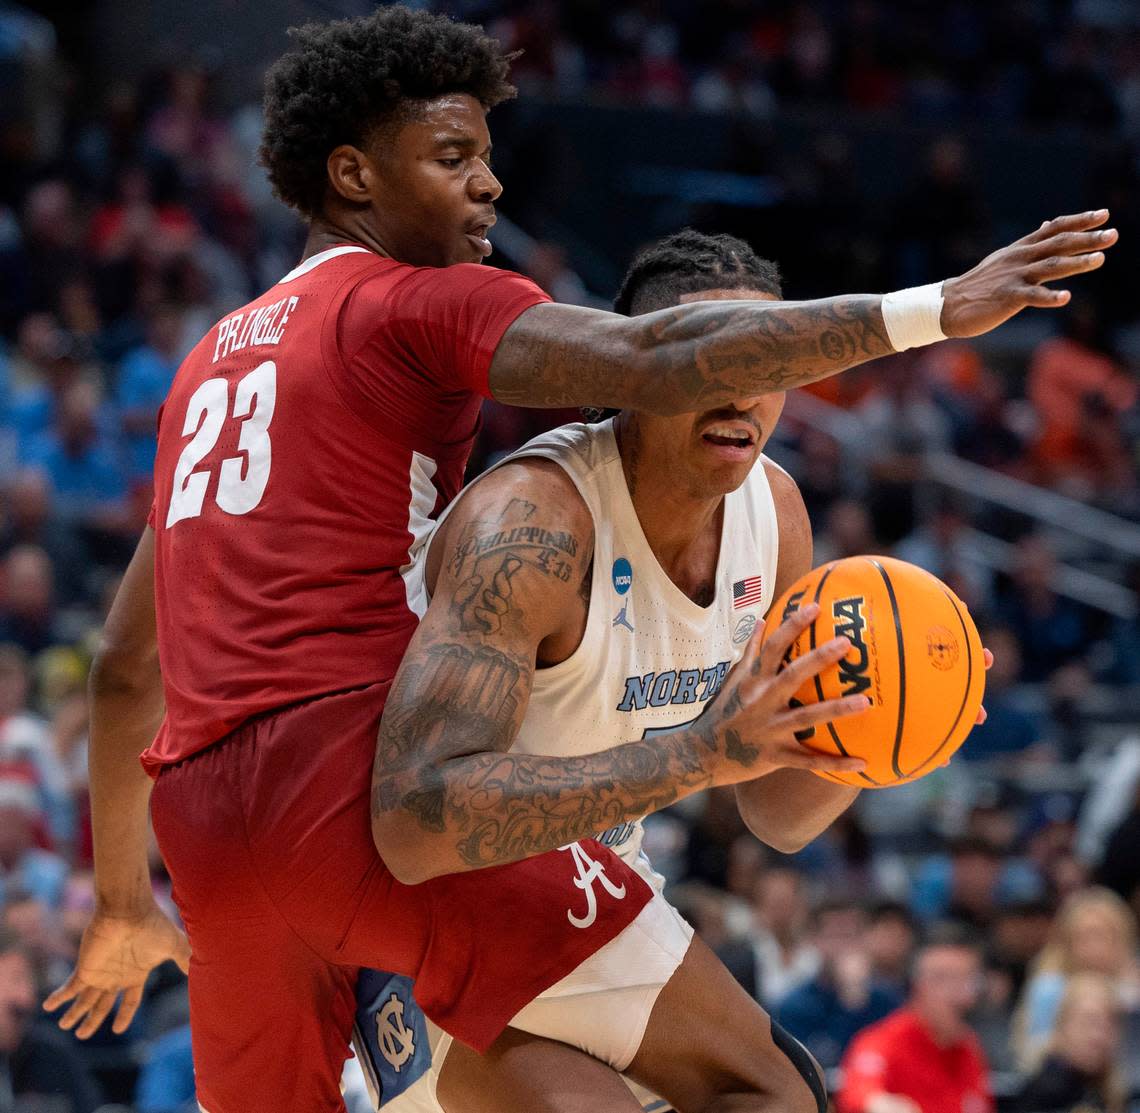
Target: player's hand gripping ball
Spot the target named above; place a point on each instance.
(915, 654)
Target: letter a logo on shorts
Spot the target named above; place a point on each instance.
(590, 871)
(396, 1042)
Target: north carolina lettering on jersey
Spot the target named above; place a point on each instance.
(656, 689)
(520, 535)
(265, 325)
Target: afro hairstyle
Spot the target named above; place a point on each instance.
(349, 77)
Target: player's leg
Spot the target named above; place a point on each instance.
(525, 1072)
(270, 1024)
(270, 1019)
(666, 1013)
(709, 1047)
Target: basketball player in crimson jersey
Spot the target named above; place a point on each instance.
(303, 449)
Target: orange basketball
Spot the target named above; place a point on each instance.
(915, 654)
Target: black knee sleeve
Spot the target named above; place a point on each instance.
(804, 1062)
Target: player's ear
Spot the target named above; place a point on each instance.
(350, 173)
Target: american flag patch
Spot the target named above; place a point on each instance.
(746, 592)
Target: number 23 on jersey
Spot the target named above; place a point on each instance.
(241, 482)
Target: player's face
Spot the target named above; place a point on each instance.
(712, 452)
(434, 195)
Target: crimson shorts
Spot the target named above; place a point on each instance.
(268, 842)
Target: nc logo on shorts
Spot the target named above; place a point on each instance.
(397, 1044)
(391, 1033)
(622, 575)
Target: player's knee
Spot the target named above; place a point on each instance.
(805, 1064)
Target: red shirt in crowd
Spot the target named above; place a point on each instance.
(306, 444)
(899, 1056)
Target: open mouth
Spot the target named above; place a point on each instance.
(729, 435)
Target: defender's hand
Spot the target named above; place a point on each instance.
(750, 724)
(115, 956)
(1013, 278)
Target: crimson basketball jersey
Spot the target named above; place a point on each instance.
(305, 446)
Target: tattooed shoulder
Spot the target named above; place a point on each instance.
(521, 535)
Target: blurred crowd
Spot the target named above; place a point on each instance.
(982, 921)
(1048, 64)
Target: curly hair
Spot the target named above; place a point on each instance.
(349, 77)
(689, 261)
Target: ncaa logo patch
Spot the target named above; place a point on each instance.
(622, 575)
(744, 629)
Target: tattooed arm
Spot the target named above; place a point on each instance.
(789, 807)
(707, 354)
(446, 797)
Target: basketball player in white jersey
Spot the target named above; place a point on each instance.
(693, 534)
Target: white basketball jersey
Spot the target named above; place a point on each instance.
(650, 658)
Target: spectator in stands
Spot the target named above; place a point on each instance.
(24, 735)
(924, 1058)
(37, 1060)
(28, 616)
(23, 864)
(1119, 868)
(942, 545)
(1124, 640)
(144, 378)
(1065, 373)
(136, 226)
(901, 423)
(891, 937)
(166, 1081)
(1081, 1064)
(844, 996)
(1050, 628)
(50, 250)
(40, 931)
(84, 468)
(942, 221)
(41, 368)
(1008, 728)
(29, 747)
(1094, 933)
(29, 518)
(848, 531)
(960, 885)
(1018, 935)
(775, 956)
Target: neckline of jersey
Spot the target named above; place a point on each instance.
(315, 261)
(637, 535)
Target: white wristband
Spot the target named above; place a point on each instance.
(913, 317)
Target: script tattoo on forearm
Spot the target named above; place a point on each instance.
(688, 357)
(495, 807)
(498, 807)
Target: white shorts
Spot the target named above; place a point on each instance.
(602, 1006)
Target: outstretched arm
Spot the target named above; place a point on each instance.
(447, 797)
(789, 807)
(708, 354)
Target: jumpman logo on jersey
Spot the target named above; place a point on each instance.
(621, 620)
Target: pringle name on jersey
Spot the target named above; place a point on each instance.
(264, 325)
(656, 689)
